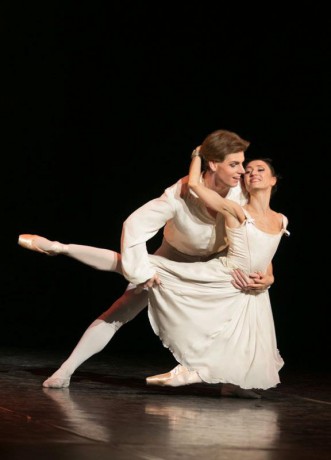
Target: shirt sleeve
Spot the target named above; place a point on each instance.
(140, 227)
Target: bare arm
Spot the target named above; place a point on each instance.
(230, 210)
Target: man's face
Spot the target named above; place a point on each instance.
(230, 170)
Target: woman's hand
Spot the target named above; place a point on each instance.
(256, 281)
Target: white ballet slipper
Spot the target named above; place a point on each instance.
(56, 382)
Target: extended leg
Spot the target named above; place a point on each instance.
(101, 259)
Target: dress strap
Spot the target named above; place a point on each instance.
(248, 216)
(285, 223)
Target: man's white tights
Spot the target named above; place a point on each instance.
(94, 339)
(102, 330)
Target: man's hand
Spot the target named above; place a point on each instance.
(154, 281)
(256, 281)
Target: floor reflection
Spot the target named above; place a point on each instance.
(251, 426)
(80, 421)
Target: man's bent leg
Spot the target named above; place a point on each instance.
(99, 334)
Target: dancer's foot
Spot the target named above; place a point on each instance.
(40, 244)
(57, 380)
(234, 391)
(178, 376)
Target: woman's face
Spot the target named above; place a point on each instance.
(258, 175)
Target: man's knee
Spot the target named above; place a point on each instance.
(126, 307)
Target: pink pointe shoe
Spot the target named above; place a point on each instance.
(177, 377)
(40, 244)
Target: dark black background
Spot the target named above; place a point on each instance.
(102, 106)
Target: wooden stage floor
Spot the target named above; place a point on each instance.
(110, 413)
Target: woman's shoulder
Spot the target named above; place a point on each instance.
(283, 221)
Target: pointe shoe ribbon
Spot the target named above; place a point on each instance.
(178, 376)
(34, 242)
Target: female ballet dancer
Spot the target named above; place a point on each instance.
(217, 333)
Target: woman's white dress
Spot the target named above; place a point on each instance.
(209, 326)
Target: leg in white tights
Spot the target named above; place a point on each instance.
(101, 331)
(98, 334)
(101, 259)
